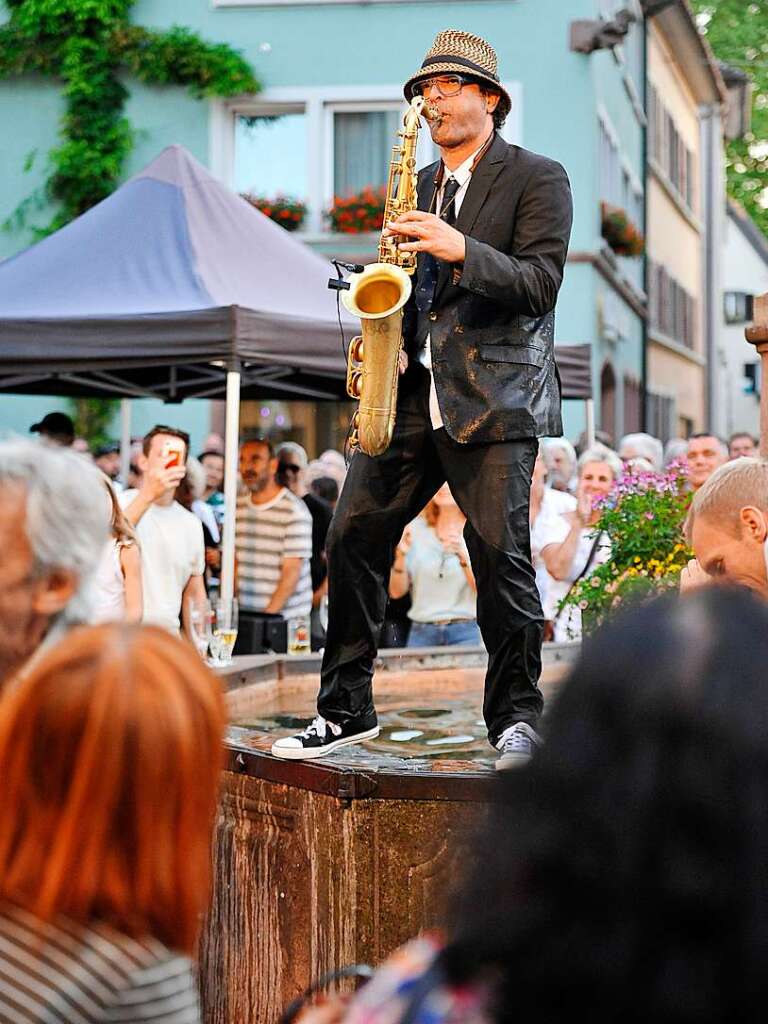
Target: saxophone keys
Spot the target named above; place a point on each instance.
(356, 349)
(355, 384)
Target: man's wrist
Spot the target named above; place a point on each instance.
(146, 496)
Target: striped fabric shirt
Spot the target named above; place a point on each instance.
(67, 973)
(265, 535)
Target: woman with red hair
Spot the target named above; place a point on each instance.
(110, 757)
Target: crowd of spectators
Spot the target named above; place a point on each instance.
(616, 874)
(170, 538)
(567, 482)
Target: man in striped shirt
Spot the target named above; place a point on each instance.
(273, 539)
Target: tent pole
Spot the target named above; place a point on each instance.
(125, 439)
(589, 407)
(231, 443)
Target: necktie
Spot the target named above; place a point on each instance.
(427, 282)
(448, 205)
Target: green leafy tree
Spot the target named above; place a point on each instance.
(738, 33)
(88, 45)
(92, 418)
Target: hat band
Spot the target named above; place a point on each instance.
(450, 59)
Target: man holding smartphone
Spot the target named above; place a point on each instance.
(170, 537)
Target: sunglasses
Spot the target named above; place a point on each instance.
(446, 85)
(290, 466)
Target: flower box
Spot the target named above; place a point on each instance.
(286, 211)
(359, 213)
(624, 237)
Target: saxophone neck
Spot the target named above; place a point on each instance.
(401, 186)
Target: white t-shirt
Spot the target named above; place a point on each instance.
(568, 623)
(553, 505)
(108, 586)
(172, 551)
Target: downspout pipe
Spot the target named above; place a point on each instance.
(709, 299)
(644, 326)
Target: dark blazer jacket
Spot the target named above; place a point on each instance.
(492, 331)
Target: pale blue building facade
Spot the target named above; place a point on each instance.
(332, 72)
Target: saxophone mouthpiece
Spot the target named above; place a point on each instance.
(431, 113)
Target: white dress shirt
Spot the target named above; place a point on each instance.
(462, 175)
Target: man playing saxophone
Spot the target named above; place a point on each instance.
(480, 386)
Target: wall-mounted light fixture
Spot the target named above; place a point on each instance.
(588, 36)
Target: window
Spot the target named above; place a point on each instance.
(271, 152)
(317, 142)
(633, 52)
(608, 400)
(667, 149)
(362, 144)
(672, 310)
(302, 3)
(619, 186)
(661, 416)
(751, 384)
(632, 404)
(608, 166)
(737, 307)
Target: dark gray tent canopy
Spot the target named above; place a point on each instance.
(160, 288)
(169, 282)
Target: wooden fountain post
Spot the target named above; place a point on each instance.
(757, 335)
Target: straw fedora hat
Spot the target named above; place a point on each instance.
(461, 53)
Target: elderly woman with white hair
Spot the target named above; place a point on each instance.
(570, 547)
(560, 459)
(643, 451)
(54, 524)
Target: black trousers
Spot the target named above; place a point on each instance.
(491, 484)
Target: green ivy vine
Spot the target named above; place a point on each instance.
(88, 44)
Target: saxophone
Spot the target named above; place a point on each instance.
(377, 296)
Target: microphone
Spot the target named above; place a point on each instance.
(338, 284)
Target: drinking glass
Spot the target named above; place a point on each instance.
(200, 622)
(224, 630)
(298, 635)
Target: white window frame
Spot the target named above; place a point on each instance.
(619, 163)
(306, 3)
(319, 103)
(354, 107)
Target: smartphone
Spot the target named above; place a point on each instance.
(173, 453)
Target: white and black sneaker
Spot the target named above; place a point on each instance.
(322, 737)
(516, 745)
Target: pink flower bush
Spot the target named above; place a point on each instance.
(643, 517)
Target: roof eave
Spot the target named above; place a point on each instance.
(678, 24)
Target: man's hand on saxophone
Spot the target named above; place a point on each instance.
(432, 235)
